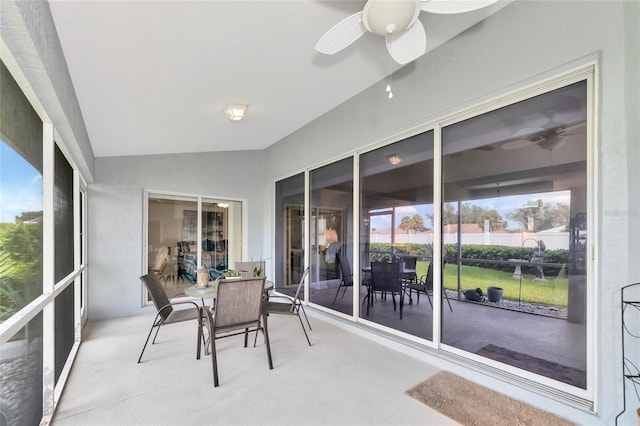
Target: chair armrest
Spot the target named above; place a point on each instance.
(282, 296)
(179, 303)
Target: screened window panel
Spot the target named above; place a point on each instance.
(63, 213)
(21, 376)
(21, 206)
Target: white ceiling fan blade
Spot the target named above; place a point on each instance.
(518, 143)
(523, 137)
(341, 34)
(454, 6)
(569, 129)
(409, 44)
(528, 132)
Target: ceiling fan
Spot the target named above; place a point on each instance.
(397, 21)
(549, 137)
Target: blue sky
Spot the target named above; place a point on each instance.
(20, 185)
(502, 205)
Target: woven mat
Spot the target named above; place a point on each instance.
(471, 404)
(562, 373)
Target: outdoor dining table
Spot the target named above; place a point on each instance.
(209, 292)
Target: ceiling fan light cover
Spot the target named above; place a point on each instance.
(384, 16)
(552, 142)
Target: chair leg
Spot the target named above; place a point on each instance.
(337, 292)
(214, 358)
(145, 344)
(305, 316)
(303, 329)
(200, 337)
(266, 339)
(156, 335)
(344, 291)
(445, 295)
(157, 322)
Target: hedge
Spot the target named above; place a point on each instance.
(382, 251)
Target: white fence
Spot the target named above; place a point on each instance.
(552, 240)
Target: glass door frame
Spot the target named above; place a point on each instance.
(199, 199)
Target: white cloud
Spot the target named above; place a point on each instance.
(16, 201)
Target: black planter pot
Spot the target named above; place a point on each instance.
(494, 294)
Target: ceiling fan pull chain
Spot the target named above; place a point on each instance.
(388, 37)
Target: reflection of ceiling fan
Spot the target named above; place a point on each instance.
(549, 137)
(397, 18)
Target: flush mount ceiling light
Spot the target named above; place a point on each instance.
(223, 205)
(235, 112)
(394, 159)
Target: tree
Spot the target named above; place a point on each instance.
(414, 223)
(26, 216)
(471, 213)
(544, 216)
(20, 266)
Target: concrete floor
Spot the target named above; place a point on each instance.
(332, 382)
(469, 327)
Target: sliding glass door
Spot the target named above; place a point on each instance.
(488, 239)
(396, 227)
(186, 232)
(514, 227)
(289, 231)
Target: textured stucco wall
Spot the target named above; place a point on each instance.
(116, 215)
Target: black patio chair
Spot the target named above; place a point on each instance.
(425, 286)
(346, 275)
(386, 278)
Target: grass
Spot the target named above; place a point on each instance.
(553, 292)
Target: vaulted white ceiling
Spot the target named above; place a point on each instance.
(153, 77)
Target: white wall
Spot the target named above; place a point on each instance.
(520, 45)
(116, 215)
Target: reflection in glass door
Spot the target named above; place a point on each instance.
(515, 202)
(289, 232)
(396, 232)
(331, 236)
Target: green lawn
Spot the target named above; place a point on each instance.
(553, 292)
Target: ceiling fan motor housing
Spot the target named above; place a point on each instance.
(382, 17)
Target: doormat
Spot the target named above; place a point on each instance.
(543, 367)
(470, 404)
